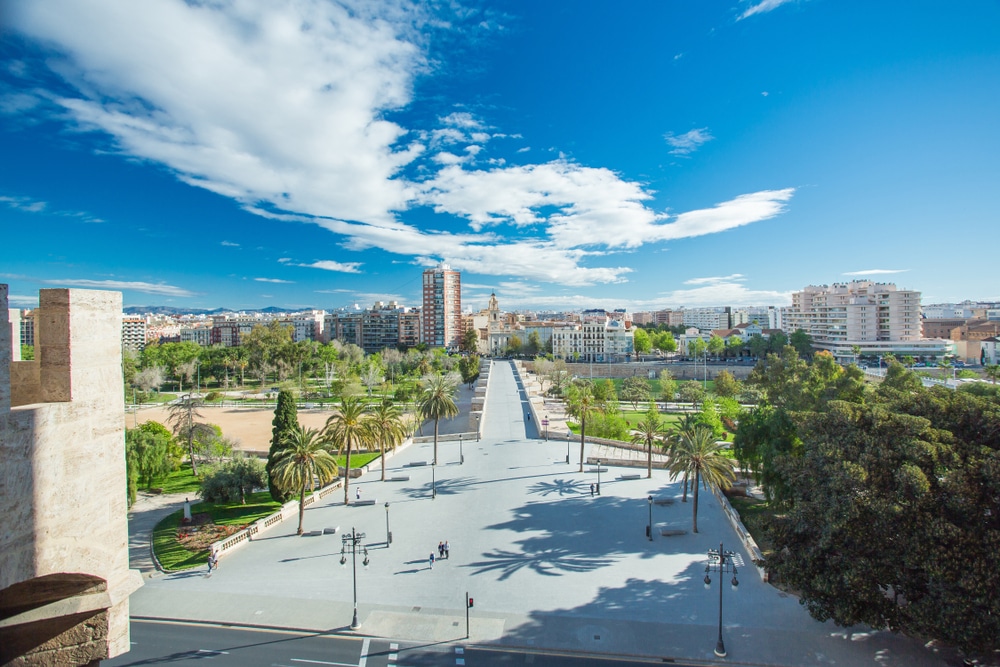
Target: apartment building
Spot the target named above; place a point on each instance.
(133, 332)
(441, 315)
(28, 327)
(373, 330)
(600, 336)
(707, 319)
(200, 335)
(877, 317)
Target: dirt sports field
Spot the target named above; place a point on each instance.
(251, 428)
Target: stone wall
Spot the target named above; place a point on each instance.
(64, 575)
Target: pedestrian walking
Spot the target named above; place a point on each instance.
(447, 549)
(440, 549)
(357, 493)
(213, 562)
(591, 489)
(431, 559)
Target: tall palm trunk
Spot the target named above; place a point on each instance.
(583, 435)
(649, 459)
(694, 494)
(302, 506)
(347, 472)
(685, 498)
(381, 446)
(435, 442)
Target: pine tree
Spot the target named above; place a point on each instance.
(286, 420)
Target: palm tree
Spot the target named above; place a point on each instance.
(856, 351)
(649, 430)
(183, 413)
(303, 457)
(580, 404)
(347, 428)
(437, 402)
(697, 454)
(685, 427)
(992, 372)
(386, 427)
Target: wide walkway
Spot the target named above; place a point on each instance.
(547, 564)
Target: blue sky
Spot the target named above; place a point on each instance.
(642, 155)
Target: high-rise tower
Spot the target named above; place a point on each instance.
(442, 308)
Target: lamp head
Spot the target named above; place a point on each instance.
(708, 581)
(735, 582)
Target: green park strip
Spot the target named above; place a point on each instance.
(180, 481)
(173, 555)
(358, 460)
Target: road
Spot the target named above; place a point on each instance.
(173, 643)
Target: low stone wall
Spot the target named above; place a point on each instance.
(748, 542)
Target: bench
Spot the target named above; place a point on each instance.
(629, 476)
(415, 464)
(312, 533)
(331, 531)
(363, 503)
(399, 478)
(597, 470)
(672, 532)
(663, 501)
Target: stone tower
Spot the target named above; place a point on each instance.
(64, 575)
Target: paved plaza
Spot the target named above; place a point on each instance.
(547, 564)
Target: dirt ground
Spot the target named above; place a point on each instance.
(251, 428)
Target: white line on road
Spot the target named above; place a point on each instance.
(364, 653)
(205, 650)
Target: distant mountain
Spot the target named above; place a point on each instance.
(171, 310)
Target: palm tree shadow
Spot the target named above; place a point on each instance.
(550, 562)
(444, 487)
(560, 487)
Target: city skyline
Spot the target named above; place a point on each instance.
(652, 156)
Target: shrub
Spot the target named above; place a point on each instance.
(233, 480)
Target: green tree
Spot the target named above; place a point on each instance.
(690, 392)
(468, 368)
(183, 419)
(651, 429)
(665, 342)
(263, 345)
(534, 345)
(581, 403)
(734, 346)
(696, 347)
(635, 390)
(709, 418)
(698, 456)
(992, 372)
(668, 385)
(286, 420)
(437, 401)
(387, 427)
(777, 341)
(856, 351)
(303, 459)
(758, 346)
(27, 353)
(347, 429)
(726, 385)
(514, 345)
(470, 341)
(151, 452)
(716, 346)
(641, 341)
(802, 342)
(231, 481)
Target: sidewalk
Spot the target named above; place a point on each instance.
(145, 513)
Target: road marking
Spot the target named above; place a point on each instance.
(393, 646)
(204, 650)
(364, 653)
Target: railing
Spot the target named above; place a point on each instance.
(748, 542)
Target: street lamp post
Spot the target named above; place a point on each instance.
(461, 451)
(598, 476)
(720, 561)
(568, 434)
(353, 542)
(649, 528)
(478, 418)
(388, 533)
(545, 423)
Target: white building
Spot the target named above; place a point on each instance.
(134, 332)
(876, 317)
(600, 336)
(707, 319)
(200, 335)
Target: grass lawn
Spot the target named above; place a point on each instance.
(654, 385)
(180, 481)
(358, 460)
(173, 555)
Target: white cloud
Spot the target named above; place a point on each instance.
(29, 205)
(689, 142)
(762, 7)
(134, 286)
(17, 301)
(715, 279)
(260, 101)
(330, 265)
(723, 293)
(462, 119)
(275, 280)
(230, 244)
(874, 272)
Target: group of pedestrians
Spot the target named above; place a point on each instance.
(444, 551)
